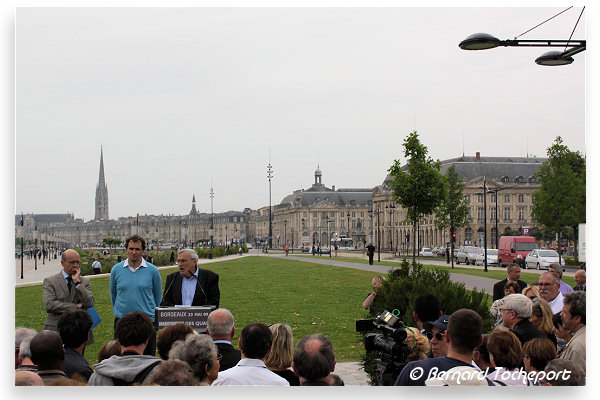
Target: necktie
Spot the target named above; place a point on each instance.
(69, 282)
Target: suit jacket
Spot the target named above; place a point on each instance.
(526, 331)
(58, 299)
(207, 289)
(499, 288)
(230, 355)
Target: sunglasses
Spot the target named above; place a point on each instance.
(439, 336)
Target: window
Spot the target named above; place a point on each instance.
(468, 198)
(353, 214)
(493, 213)
(507, 213)
(480, 214)
(315, 215)
(518, 179)
(468, 235)
(305, 214)
(493, 197)
(480, 197)
(362, 213)
(521, 198)
(521, 213)
(507, 198)
(504, 179)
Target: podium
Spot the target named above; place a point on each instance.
(194, 316)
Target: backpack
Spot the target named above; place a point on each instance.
(139, 378)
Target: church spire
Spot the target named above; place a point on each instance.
(101, 192)
(193, 211)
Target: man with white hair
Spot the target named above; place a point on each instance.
(220, 327)
(515, 313)
(580, 279)
(191, 286)
(20, 334)
(549, 286)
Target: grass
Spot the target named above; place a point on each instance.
(311, 298)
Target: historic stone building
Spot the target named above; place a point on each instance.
(311, 216)
(510, 183)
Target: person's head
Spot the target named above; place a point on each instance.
(464, 330)
(573, 312)
(282, 350)
(377, 281)
(514, 272)
(314, 358)
(47, 350)
(537, 352)
(427, 308)
(511, 288)
(169, 335)
(255, 340)
(580, 277)
(187, 261)
(201, 354)
(20, 334)
(74, 328)
(109, 349)
(481, 355)
(532, 292)
(559, 329)
(560, 372)
(173, 373)
(556, 270)
(436, 333)
(505, 349)
(541, 316)
(516, 307)
(549, 286)
(220, 324)
(135, 246)
(25, 349)
(28, 378)
(69, 261)
(134, 329)
(418, 343)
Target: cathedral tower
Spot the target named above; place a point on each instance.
(101, 193)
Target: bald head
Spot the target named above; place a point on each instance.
(69, 260)
(580, 278)
(28, 378)
(47, 350)
(314, 358)
(220, 324)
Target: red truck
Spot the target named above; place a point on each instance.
(514, 249)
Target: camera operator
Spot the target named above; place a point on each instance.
(463, 336)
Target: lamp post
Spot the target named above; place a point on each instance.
(495, 191)
(270, 175)
(484, 41)
(485, 226)
(327, 220)
(22, 255)
(391, 208)
(348, 215)
(35, 248)
(226, 238)
(378, 235)
(284, 232)
(212, 217)
(371, 216)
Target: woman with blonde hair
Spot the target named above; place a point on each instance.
(281, 355)
(532, 292)
(541, 318)
(418, 343)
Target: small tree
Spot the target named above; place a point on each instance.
(110, 242)
(418, 186)
(560, 201)
(453, 211)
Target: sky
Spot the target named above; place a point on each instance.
(185, 99)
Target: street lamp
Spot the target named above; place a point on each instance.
(327, 220)
(348, 215)
(270, 175)
(212, 217)
(391, 208)
(485, 226)
(495, 191)
(378, 235)
(284, 232)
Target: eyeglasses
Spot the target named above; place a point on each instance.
(545, 284)
(438, 336)
(505, 309)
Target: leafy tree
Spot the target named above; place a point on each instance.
(560, 201)
(418, 186)
(110, 242)
(453, 211)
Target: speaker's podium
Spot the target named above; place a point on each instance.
(194, 316)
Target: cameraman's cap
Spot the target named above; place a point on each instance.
(441, 323)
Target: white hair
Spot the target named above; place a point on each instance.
(520, 304)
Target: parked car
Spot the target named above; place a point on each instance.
(466, 254)
(541, 259)
(492, 257)
(514, 249)
(426, 251)
(248, 246)
(325, 250)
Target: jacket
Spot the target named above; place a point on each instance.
(121, 367)
(207, 289)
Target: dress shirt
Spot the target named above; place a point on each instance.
(557, 304)
(565, 288)
(127, 265)
(188, 288)
(249, 372)
(67, 276)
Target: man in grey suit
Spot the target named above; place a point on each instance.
(67, 290)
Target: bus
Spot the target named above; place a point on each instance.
(343, 243)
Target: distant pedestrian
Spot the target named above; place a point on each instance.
(96, 266)
(371, 253)
(172, 258)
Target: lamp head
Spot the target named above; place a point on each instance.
(553, 58)
(480, 41)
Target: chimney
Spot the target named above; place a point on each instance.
(477, 156)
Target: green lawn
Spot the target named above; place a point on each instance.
(310, 298)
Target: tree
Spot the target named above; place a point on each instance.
(560, 201)
(453, 211)
(418, 186)
(110, 242)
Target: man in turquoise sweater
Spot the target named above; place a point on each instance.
(135, 285)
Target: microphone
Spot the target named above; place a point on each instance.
(165, 294)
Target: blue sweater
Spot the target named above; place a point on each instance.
(135, 291)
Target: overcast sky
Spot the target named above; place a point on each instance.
(179, 98)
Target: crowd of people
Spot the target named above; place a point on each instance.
(538, 338)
